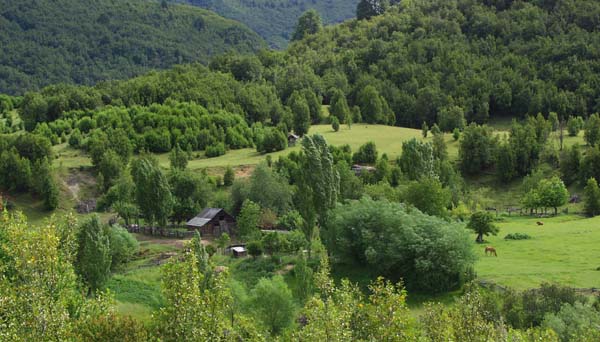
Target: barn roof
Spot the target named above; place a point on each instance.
(204, 217)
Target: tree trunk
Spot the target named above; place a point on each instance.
(479, 238)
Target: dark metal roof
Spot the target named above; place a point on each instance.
(204, 217)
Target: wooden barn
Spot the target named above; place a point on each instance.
(213, 222)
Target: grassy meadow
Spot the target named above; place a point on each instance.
(564, 250)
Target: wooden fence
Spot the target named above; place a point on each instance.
(162, 232)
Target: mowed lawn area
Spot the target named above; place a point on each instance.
(565, 250)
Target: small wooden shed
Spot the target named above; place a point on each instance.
(213, 222)
(292, 139)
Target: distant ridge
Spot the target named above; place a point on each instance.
(68, 41)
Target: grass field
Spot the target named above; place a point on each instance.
(565, 250)
(387, 138)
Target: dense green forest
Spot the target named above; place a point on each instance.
(274, 20)
(47, 42)
(490, 58)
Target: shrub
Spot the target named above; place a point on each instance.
(367, 153)
(215, 150)
(254, 248)
(456, 134)
(122, 245)
(335, 123)
(517, 236)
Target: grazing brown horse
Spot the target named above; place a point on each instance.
(491, 250)
(540, 223)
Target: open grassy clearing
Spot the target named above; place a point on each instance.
(136, 286)
(387, 138)
(564, 250)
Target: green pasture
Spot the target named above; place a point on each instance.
(136, 285)
(565, 250)
(388, 139)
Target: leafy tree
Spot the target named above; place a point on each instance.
(505, 162)
(248, 220)
(369, 8)
(110, 168)
(15, 171)
(451, 118)
(429, 196)
(318, 187)
(335, 124)
(590, 164)
(265, 187)
(75, 139)
(424, 129)
(475, 151)
(197, 313)
(351, 187)
(272, 140)
(574, 321)
(371, 106)
(456, 134)
(273, 303)
(255, 248)
(42, 282)
(404, 252)
(94, 258)
(526, 144)
(339, 106)
(592, 198)
(482, 223)
(570, 164)
(301, 113)
(178, 158)
(553, 121)
(229, 176)
(592, 130)
(45, 184)
(367, 153)
(273, 243)
(152, 191)
(553, 193)
(574, 125)
(122, 245)
(308, 23)
(440, 150)
(417, 159)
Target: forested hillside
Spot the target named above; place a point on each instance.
(46, 42)
(486, 58)
(274, 20)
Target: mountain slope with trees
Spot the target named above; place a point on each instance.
(423, 60)
(46, 42)
(274, 20)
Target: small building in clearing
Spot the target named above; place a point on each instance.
(360, 169)
(213, 222)
(292, 138)
(239, 251)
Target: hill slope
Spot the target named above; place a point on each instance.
(44, 42)
(275, 20)
(427, 57)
